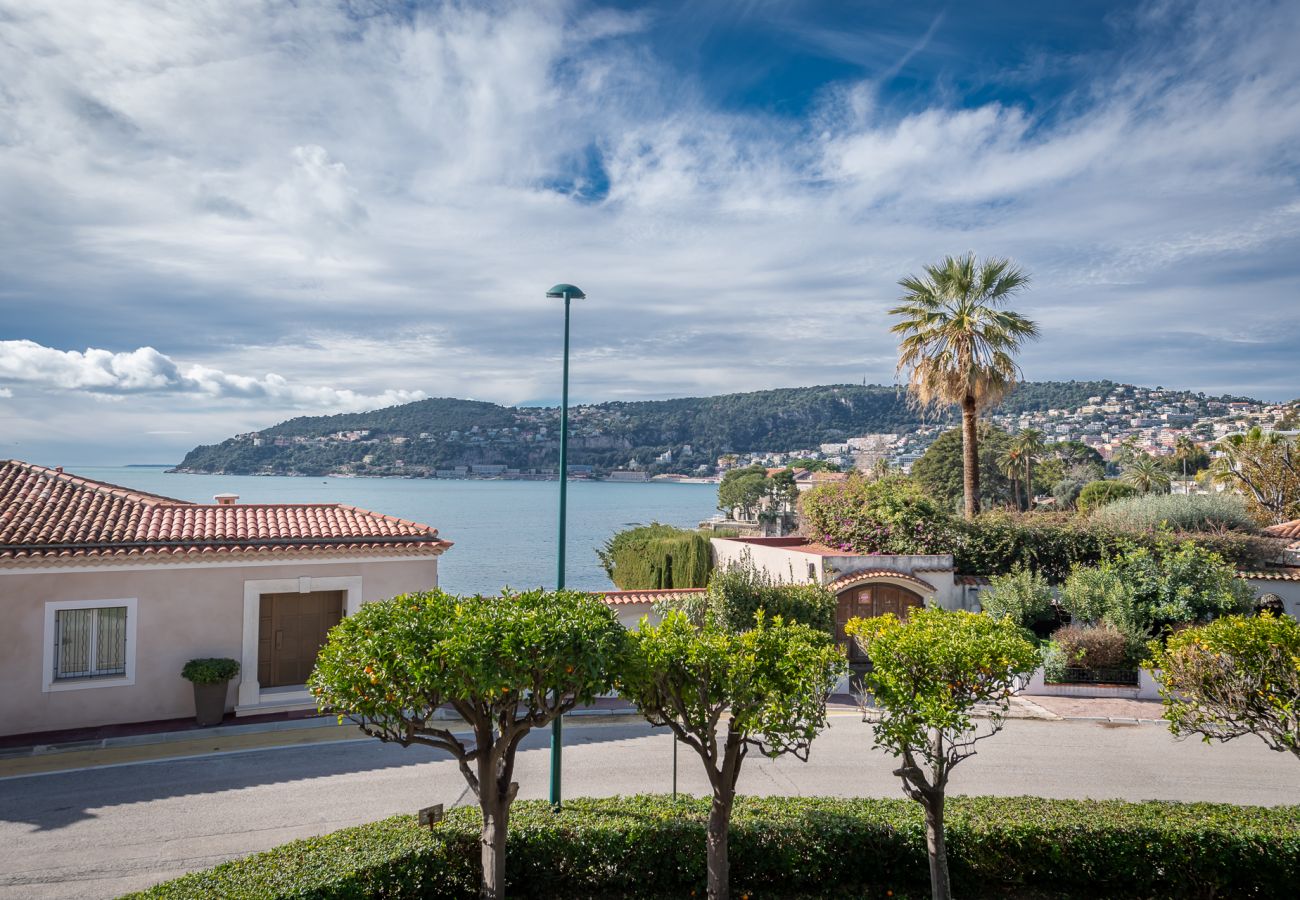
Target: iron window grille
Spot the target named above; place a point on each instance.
(90, 643)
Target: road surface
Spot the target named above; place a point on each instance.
(101, 832)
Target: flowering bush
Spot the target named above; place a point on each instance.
(888, 515)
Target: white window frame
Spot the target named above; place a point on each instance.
(49, 683)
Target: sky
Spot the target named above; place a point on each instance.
(218, 215)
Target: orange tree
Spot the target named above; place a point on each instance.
(1237, 675)
(505, 664)
(928, 677)
(771, 682)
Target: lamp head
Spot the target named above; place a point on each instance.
(566, 291)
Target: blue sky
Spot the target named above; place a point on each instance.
(218, 216)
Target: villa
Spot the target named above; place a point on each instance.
(108, 591)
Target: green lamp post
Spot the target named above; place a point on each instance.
(568, 292)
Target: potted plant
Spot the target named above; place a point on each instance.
(211, 678)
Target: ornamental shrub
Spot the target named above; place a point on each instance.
(625, 847)
(210, 670)
(1094, 647)
(1022, 595)
(887, 515)
(741, 590)
(1177, 512)
(1096, 494)
(654, 557)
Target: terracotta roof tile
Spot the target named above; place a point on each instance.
(48, 513)
(619, 598)
(853, 578)
(1281, 573)
(1287, 530)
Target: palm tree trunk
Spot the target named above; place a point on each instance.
(970, 456)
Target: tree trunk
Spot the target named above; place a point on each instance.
(496, 813)
(936, 847)
(970, 462)
(719, 866)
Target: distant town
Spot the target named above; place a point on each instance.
(618, 442)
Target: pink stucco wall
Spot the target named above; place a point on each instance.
(182, 612)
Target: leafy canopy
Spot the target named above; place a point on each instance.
(939, 470)
(1238, 675)
(512, 662)
(1265, 467)
(888, 515)
(957, 339)
(930, 673)
(774, 678)
(656, 557)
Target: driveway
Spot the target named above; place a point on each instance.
(100, 832)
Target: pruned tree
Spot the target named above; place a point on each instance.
(722, 693)
(1237, 675)
(505, 664)
(929, 676)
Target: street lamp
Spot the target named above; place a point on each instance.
(568, 292)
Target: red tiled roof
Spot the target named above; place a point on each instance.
(972, 580)
(49, 514)
(1282, 573)
(619, 598)
(1287, 530)
(853, 578)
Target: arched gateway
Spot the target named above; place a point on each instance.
(866, 594)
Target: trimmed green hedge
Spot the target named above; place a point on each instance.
(788, 846)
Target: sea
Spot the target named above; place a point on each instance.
(504, 532)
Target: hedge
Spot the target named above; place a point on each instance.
(653, 846)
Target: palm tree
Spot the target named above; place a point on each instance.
(1029, 444)
(958, 344)
(1146, 474)
(1011, 465)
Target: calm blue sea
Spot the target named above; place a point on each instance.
(504, 531)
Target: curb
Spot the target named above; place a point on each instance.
(219, 731)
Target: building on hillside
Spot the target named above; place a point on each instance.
(109, 591)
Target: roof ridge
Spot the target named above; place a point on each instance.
(103, 487)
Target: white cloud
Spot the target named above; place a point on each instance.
(145, 370)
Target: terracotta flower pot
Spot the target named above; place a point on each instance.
(210, 703)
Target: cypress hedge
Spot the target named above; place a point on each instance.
(653, 846)
(655, 557)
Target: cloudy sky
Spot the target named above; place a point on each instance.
(218, 215)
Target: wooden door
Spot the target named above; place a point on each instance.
(867, 601)
(291, 630)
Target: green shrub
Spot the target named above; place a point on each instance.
(740, 590)
(784, 846)
(1094, 647)
(1096, 494)
(212, 670)
(654, 557)
(1178, 512)
(1023, 595)
(887, 515)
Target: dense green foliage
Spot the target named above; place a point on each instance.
(1096, 494)
(772, 681)
(939, 470)
(1022, 595)
(1232, 677)
(1147, 592)
(737, 593)
(1180, 512)
(928, 675)
(638, 847)
(505, 664)
(655, 557)
(212, 670)
(887, 515)
(606, 435)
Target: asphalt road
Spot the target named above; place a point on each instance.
(101, 832)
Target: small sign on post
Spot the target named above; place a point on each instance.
(431, 815)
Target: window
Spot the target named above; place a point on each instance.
(90, 643)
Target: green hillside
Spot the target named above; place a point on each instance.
(445, 432)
